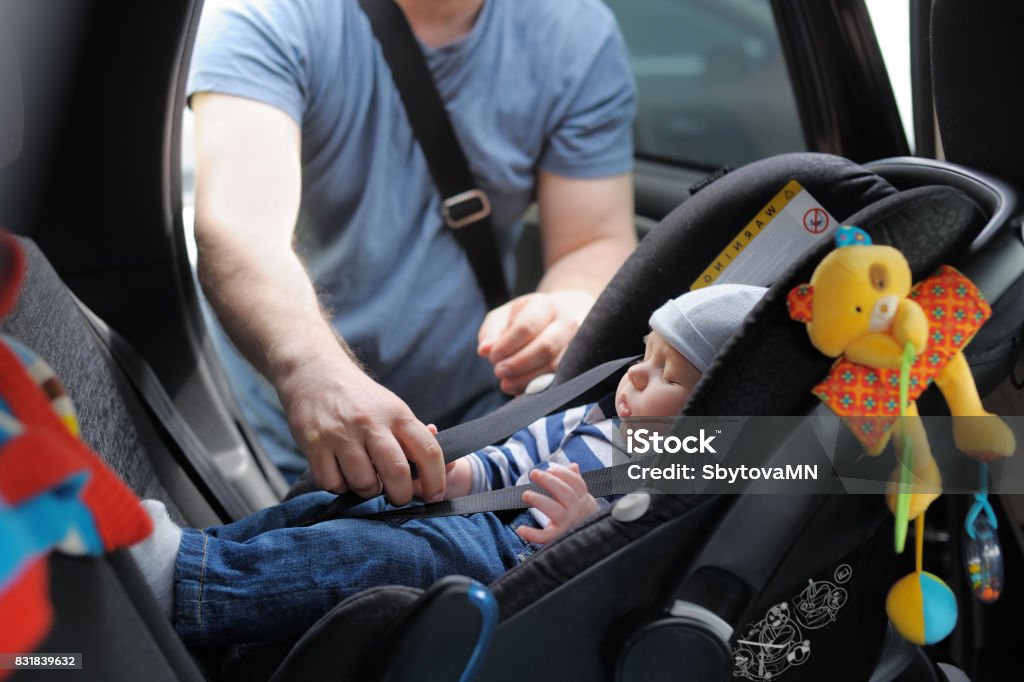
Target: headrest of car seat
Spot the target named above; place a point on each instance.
(12, 115)
(675, 253)
(976, 67)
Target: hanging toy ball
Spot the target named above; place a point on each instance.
(922, 608)
(983, 559)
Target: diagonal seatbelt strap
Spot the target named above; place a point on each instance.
(464, 206)
(465, 438)
(497, 426)
(226, 501)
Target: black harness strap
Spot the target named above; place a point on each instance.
(600, 483)
(463, 439)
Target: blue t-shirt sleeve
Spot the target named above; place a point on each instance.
(258, 49)
(591, 129)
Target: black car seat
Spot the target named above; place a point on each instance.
(634, 593)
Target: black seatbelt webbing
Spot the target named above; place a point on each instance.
(463, 439)
(498, 425)
(466, 210)
(145, 382)
(600, 483)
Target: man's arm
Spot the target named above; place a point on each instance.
(587, 230)
(248, 188)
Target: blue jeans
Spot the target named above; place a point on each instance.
(262, 579)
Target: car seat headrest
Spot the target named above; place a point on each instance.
(673, 255)
(976, 63)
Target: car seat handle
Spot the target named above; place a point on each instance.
(724, 581)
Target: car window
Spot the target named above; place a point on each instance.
(712, 83)
(891, 21)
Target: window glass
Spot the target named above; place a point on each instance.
(712, 82)
(891, 21)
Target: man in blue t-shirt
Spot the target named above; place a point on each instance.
(310, 181)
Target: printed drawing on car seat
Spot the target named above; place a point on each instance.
(817, 605)
(776, 643)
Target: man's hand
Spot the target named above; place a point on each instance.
(586, 227)
(569, 503)
(527, 336)
(356, 434)
(458, 477)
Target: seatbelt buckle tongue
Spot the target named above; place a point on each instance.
(465, 208)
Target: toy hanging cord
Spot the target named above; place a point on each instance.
(903, 495)
(919, 543)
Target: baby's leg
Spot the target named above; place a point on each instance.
(285, 515)
(156, 556)
(275, 585)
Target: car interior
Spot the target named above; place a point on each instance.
(658, 587)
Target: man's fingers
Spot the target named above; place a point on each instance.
(540, 355)
(423, 449)
(524, 325)
(494, 324)
(536, 535)
(327, 473)
(558, 488)
(391, 466)
(357, 467)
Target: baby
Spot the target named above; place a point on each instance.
(263, 578)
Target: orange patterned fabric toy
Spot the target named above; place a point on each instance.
(868, 397)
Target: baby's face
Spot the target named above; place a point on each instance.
(657, 386)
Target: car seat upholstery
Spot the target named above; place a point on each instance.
(47, 319)
(102, 604)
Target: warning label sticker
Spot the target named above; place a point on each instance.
(791, 224)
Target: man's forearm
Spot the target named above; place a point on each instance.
(589, 267)
(587, 228)
(267, 304)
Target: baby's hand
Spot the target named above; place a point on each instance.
(569, 503)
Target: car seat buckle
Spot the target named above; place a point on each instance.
(465, 208)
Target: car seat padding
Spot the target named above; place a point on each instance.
(336, 647)
(106, 611)
(47, 319)
(675, 253)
